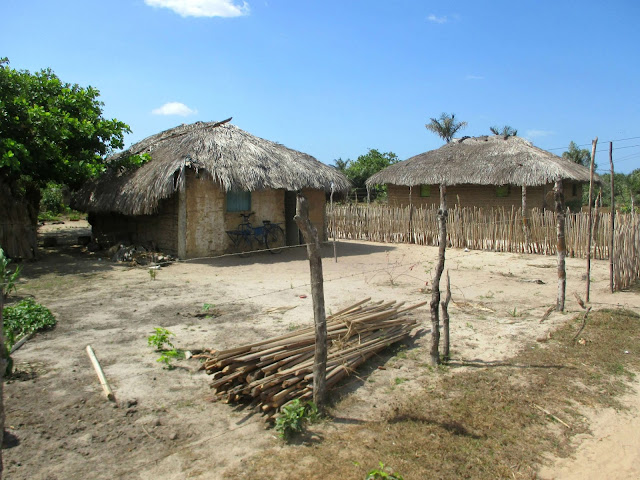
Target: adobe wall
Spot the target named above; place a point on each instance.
(485, 196)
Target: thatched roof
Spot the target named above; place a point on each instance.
(489, 160)
(230, 156)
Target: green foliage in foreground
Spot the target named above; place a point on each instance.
(24, 318)
(380, 474)
(294, 416)
(158, 340)
(7, 279)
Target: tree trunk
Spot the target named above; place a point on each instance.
(435, 287)
(445, 322)
(562, 248)
(590, 232)
(3, 366)
(18, 222)
(310, 235)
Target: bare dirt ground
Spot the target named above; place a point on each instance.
(164, 425)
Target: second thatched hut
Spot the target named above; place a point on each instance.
(199, 179)
(488, 171)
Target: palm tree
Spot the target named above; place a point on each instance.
(506, 131)
(445, 126)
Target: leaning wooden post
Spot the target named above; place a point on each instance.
(435, 288)
(613, 219)
(445, 322)
(310, 235)
(590, 232)
(525, 219)
(561, 247)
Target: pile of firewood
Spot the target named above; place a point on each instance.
(269, 373)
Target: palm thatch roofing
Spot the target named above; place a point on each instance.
(230, 156)
(487, 160)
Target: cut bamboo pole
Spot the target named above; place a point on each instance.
(103, 380)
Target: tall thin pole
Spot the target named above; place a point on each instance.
(613, 218)
(590, 232)
(435, 285)
(562, 245)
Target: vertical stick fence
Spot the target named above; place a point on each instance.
(498, 229)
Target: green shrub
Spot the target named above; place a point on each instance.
(294, 416)
(24, 318)
(52, 199)
(159, 338)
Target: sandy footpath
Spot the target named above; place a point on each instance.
(164, 425)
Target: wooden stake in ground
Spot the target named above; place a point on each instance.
(103, 380)
(525, 220)
(590, 232)
(435, 288)
(613, 219)
(335, 253)
(310, 235)
(445, 322)
(562, 246)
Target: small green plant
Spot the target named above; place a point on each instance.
(380, 474)
(24, 318)
(152, 273)
(399, 380)
(160, 338)
(514, 313)
(207, 306)
(294, 416)
(7, 278)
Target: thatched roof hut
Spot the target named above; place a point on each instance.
(488, 160)
(188, 197)
(230, 156)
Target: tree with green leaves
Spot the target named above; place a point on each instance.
(581, 156)
(506, 131)
(445, 126)
(50, 131)
(359, 170)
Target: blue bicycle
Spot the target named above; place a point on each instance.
(247, 238)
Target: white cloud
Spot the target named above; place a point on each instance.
(174, 108)
(538, 133)
(435, 19)
(475, 77)
(202, 8)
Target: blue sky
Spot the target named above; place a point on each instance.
(335, 78)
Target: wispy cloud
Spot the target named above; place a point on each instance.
(436, 19)
(474, 77)
(538, 133)
(174, 108)
(202, 8)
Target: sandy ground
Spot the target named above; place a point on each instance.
(164, 425)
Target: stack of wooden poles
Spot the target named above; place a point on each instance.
(270, 373)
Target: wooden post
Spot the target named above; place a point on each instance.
(435, 288)
(333, 217)
(98, 368)
(561, 247)
(445, 322)
(613, 219)
(590, 231)
(410, 216)
(525, 219)
(310, 235)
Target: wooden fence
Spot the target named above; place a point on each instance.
(497, 229)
